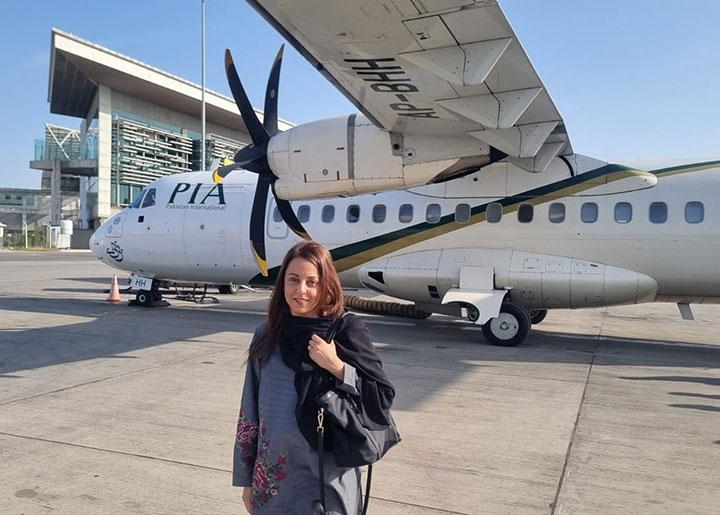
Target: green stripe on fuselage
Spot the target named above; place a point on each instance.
(694, 167)
(358, 253)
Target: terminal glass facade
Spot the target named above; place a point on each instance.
(64, 143)
(144, 150)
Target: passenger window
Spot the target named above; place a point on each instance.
(525, 213)
(589, 212)
(328, 214)
(658, 212)
(149, 198)
(556, 213)
(277, 217)
(136, 203)
(493, 212)
(353, 213)
(623, 212)
(379, 212)
(406, 213)
(303, 214)
(694, 212)
(462, 213)
(433, 213)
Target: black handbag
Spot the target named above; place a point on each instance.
(354, 443)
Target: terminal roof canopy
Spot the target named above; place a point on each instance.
(78, 66)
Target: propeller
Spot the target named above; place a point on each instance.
(254, 157)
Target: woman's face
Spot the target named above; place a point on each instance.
(302, 287)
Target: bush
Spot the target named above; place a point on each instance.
(16, 239)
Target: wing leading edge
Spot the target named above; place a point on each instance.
(429, 67)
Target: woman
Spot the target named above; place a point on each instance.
(289, 366)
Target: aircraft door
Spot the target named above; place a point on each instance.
(277, 229)
(212, 236)
(157, 238)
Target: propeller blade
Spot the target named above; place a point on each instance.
(289, 216)
(270, 116)
(257, 132)
(257, 222)
(222, 171)
(244, 158)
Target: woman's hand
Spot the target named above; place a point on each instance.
(325, 355)
(247, 498)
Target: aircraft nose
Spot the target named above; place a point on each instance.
(96, 244)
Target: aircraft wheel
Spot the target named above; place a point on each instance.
(537, 315)
(229, 289)
(511, 326)
(472, 313)
(144, 298)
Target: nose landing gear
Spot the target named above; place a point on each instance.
(149, 299)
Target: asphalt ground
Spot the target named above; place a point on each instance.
(107, 408)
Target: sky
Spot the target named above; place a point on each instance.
(636, 81)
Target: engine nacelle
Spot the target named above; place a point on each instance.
(348, 156)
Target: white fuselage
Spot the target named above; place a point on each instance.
(202, 235)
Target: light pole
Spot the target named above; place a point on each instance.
(202, 101)
(25, 229)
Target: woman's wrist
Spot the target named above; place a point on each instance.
(338, 370)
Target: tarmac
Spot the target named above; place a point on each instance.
(107, 408)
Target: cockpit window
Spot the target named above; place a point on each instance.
(149, 198)
(136, 202)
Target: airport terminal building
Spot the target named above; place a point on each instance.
(135, 123)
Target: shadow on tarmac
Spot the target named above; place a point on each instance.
(114, 329)
(431, 352)
(77, 290)
(97, 280)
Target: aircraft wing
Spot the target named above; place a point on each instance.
(429, 67)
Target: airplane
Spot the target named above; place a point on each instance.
(455, 188)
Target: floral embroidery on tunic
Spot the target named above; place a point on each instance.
(247, 432)
(266, 474)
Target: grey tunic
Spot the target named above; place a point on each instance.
(271, 454)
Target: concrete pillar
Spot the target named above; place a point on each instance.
(55, 198)
(84, 222)
(105, 150)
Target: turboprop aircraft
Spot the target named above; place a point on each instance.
(456, 188)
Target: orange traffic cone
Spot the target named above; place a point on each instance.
(114, 291)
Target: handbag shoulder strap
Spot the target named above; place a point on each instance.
(334, 327)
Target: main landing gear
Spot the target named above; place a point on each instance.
(537, 315)
(229, 289)
(511, 326)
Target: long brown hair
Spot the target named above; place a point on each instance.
(330, 296)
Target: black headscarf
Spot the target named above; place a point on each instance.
(355, 348)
